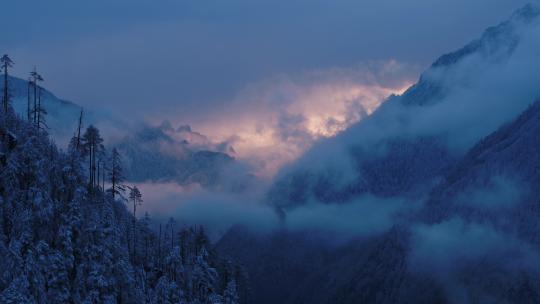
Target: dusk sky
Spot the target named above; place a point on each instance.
(199, 54)
(241, 71)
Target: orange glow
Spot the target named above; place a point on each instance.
(264, 137)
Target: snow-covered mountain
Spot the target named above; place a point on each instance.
(462, 147)
(499, 174)
(162, 154)
(62, 115)
(412, 140)
(151, 153)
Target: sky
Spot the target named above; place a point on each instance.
(242, 71)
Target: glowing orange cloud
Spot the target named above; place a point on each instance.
(273, 123)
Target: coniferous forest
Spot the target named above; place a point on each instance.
(69, 227)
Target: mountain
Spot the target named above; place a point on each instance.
(162, 154)
(462, 147)
(62, 115)
(498, 174)
(412, 140)
(150, 153)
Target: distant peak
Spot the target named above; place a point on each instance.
(166, 125)
(184, 128)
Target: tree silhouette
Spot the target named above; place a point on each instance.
(33, 76)
(6, 63)
(92, 147)
(78, 145)
(40, 111)
(37, 111)
(135, 197)
(28, 107)
(115, 174)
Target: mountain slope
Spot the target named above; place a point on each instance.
(500, 173)
(455, 141)
(409, 143)
(154, 154)
(63, 241)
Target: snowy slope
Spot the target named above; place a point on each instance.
(499, 174)
(62, 115)
(157, 154)
(474, 238)
(154, 154)
(408, 144)
(64, 242)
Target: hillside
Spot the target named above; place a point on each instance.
(151, 153)
(412, 140)
(460, 150)
(63, 240)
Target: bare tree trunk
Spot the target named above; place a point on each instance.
(98, 184)
(134, 229)
(5, 89)
(78, 130)
(28, 105)
(90, 167)
(35, 101)
(39, 108)
(159, 247)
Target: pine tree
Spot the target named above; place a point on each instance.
(40, 111)
(28, 107)
(6, 63)
(33, 77)
(116, 176)
(78, 144)
(93, 147)
(135, 197)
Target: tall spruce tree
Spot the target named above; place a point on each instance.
(28, 106)
(33, 77)
(135, 197)
(92, 147)
(6, 63)
(116, 176)
(40, 111)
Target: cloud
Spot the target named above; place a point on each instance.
(217, 211)
(275, 121)
(479, 93)
(454, 251)
(500, 193)
(364, 216)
